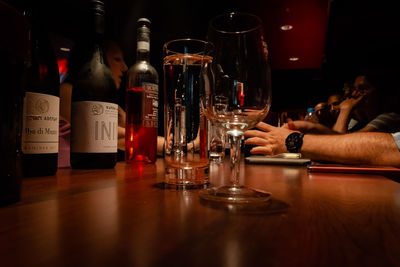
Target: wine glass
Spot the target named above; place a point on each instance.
(236, 92)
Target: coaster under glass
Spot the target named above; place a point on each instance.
(235, 194)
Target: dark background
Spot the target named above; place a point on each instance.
(336, 39)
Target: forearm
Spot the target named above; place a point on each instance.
(321, 129)
(309, 127)
(356, 148)
(342, 121)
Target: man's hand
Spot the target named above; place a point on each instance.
(269, 141)
(349, 103)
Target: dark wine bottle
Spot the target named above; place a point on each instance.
(14, 46)
(94, 109)
(41, 102)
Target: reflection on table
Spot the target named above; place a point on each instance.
(121, 217)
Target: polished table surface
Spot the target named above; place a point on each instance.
(121, 217)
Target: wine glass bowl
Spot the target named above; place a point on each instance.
(237, 90)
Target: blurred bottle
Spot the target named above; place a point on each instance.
(217, 142)
(309, 115)
(41, 102)
(14, 47)
(94, 109)
(142, 102)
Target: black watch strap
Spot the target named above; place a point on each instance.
(294, 141)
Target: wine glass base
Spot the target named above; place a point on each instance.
(232, 195)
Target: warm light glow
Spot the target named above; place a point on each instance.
(235, 132)
(240, 93)
(131, 135)
(293, 58)
(286, 27)
(140, 168)
(65, 49)
(43, 70)
(62, 65)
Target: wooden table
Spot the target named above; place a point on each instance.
(119, 217)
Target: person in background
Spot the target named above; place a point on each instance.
(354, 148)
(354, 113)
(334, 107)
(291, 114)
(320, 106)
(372, 107)
(367, 110)
(116, 62)
(118, 67)
(347, 89)
(323, 114)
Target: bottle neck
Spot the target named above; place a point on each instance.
(142, 54)
(93, 23)
(38, 28)
(90, 47)
(97, 28)
(143, 44)
(94, 40)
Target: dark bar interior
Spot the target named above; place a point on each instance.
(333, 41)
(199, 133)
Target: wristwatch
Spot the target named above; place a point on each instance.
(294, 141)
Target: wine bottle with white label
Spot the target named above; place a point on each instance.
(94, 109)
(41, 102)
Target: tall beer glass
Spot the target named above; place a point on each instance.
(186, 152)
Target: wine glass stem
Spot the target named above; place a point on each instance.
(235, 143)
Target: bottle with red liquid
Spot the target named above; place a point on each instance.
(142, 102)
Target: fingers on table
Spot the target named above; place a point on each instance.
(265, 127)
(257, 141)
(266, 150)
(254, 133)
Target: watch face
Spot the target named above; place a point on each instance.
(291, 143)
(294, 141)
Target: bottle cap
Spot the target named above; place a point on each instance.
(97, 6)
(144, 21)
(143, 25)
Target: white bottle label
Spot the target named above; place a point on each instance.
(142, 45)
(94, 127)
(40, 123)
(150, 105)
